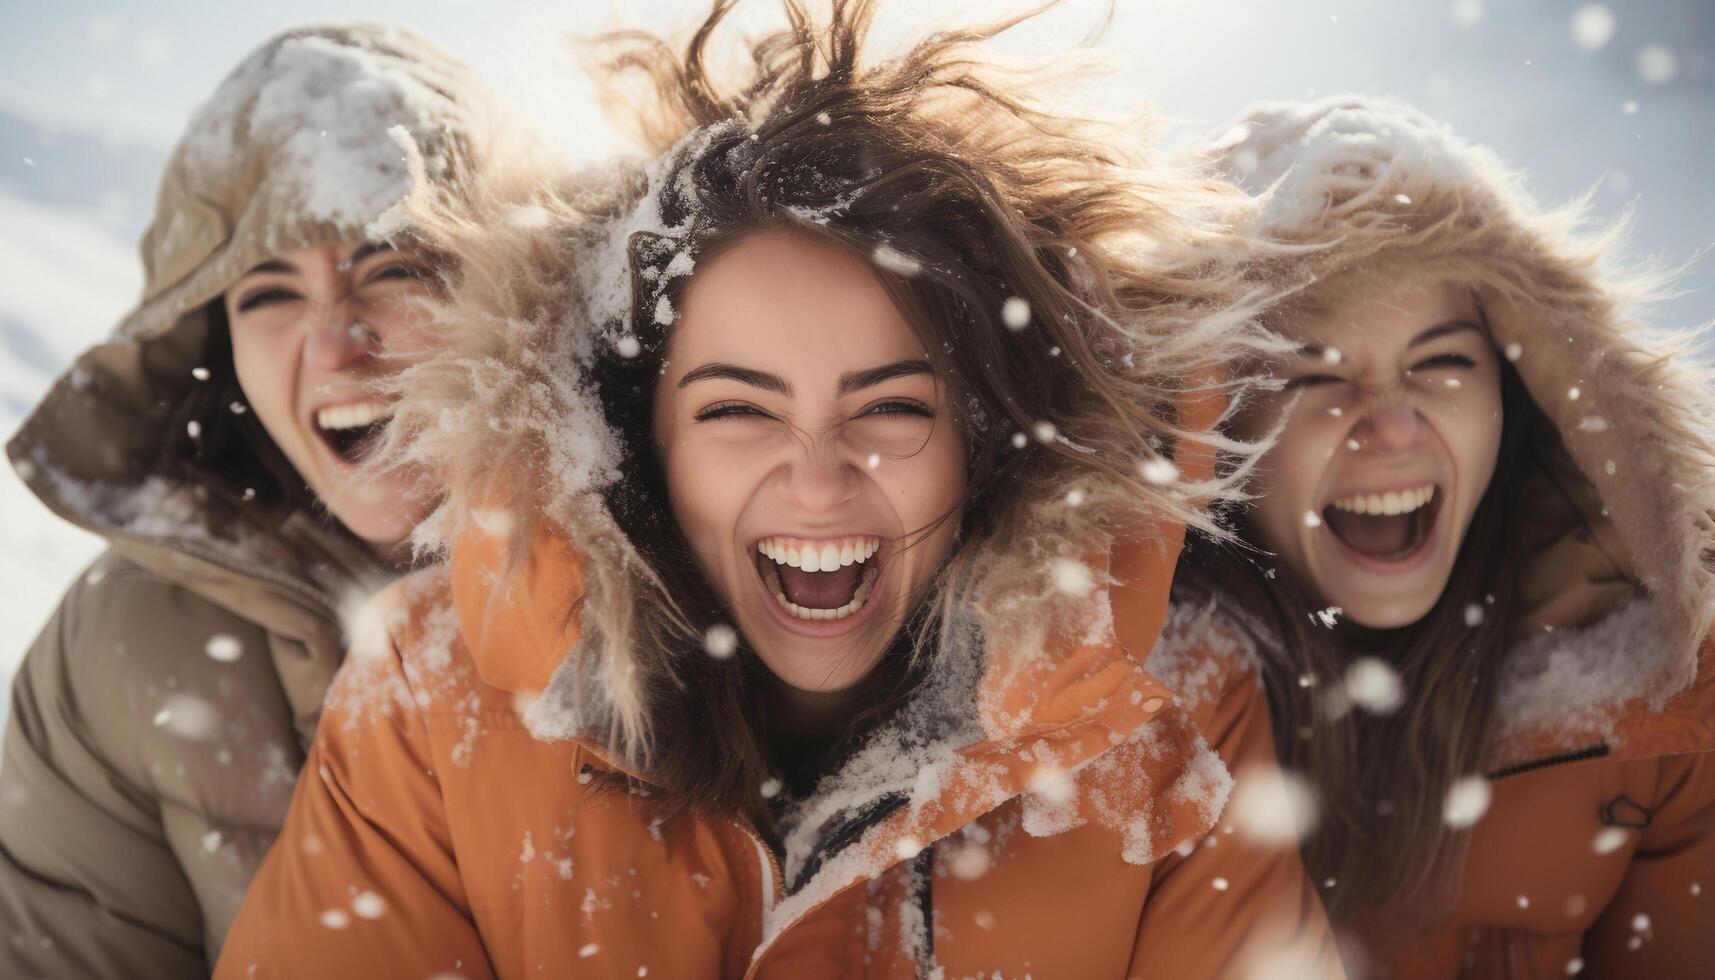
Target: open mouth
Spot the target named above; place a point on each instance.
(1385, 527)
(825, 579)
(351, 431)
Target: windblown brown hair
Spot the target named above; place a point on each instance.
(944, 158)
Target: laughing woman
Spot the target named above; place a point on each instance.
(158, 723)
(794, 622)
(1489, 511)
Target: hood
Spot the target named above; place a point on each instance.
(297, 147)
(1619, 585)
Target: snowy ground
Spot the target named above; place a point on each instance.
(67, 280)
(92, 94)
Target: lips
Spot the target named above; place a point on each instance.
(1391, 526)
(352, 430)
(819, 579)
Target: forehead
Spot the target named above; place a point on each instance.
(790, 304)
(1379, 317)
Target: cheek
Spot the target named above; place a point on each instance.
(707, 491)
(927, 486)
(261, 361)
(404, 328)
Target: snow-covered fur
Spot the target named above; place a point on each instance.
(1369, 187)
(506, 417)
(298, 147)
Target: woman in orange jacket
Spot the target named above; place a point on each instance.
(1483, 626)
(811, 502)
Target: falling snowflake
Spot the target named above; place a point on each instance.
(1271, 806)
(873, 461)
(1514, 352)
(1019, 440)
(721, 641)
(1656, 65)
(1467, 13)
(1474, 615)
(225, 649)
(200, 373)
(1467, 800)
(1045, 432)
(1609, 839)
(1374, 686)
(193, 428)
(628, 346)
(970, 862)
(1592, 26)
(369, 905)
(335, 919)
(1015, 313)
(1312, 519)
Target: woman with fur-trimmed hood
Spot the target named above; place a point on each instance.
(1480, 589)
(158, 722)
(811, 506)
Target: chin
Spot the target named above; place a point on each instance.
(1385, 614)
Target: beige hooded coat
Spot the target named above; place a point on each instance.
(1596, 854)
(158, 723)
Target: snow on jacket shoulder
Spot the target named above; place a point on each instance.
(433, 833)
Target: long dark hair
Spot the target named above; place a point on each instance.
(216, 442)
(1382, 850)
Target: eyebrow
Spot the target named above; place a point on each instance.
(362, 252)
(1433, 333)
(850, 382)
(743, 375)
(1442, 330)
(859, 380)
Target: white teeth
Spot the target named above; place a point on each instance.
(351, 416)
(800, 612)
(1390, 503)
(819, 556)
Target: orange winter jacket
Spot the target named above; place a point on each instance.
(433, 835)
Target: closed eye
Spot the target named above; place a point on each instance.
(1444, 361)
(729, 410)
(265, 297)
(1312, 381)
(395, 270)
(899, 406)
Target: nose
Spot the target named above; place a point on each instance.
(1390, 426)
(338, 338)
(819, 479)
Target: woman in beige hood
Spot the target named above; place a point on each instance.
(1480, 589)
(216, 440)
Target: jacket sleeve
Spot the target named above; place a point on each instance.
(1661, 922)
(362, 882)
(1227, 906)
(89, 884)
